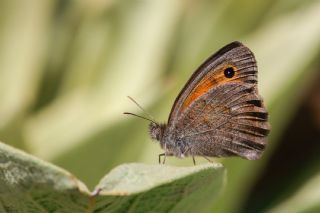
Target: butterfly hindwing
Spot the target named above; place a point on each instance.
(222, 129)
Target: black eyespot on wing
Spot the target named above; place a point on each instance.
(229, 72)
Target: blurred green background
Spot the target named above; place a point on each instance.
(66, 68)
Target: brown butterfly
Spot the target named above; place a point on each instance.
(219, 112)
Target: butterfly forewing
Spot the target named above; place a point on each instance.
(219, 113)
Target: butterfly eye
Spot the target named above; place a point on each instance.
(229, 72)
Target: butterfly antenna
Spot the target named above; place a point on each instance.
(129, 113)
(150, 118)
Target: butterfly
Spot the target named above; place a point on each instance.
(219, 112)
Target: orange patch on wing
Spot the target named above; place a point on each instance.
(212, 79)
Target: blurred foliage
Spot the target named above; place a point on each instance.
(66, 68)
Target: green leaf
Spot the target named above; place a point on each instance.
(160, 188)
(28, 184)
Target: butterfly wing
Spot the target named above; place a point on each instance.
(220, 115)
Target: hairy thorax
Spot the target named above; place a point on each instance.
(175, 145)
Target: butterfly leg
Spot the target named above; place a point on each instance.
(160, 155)
(194, 161)
(208, 159)
(164, 159)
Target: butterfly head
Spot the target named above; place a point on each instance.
(156, 131)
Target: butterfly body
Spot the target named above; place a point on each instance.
(219, 112)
